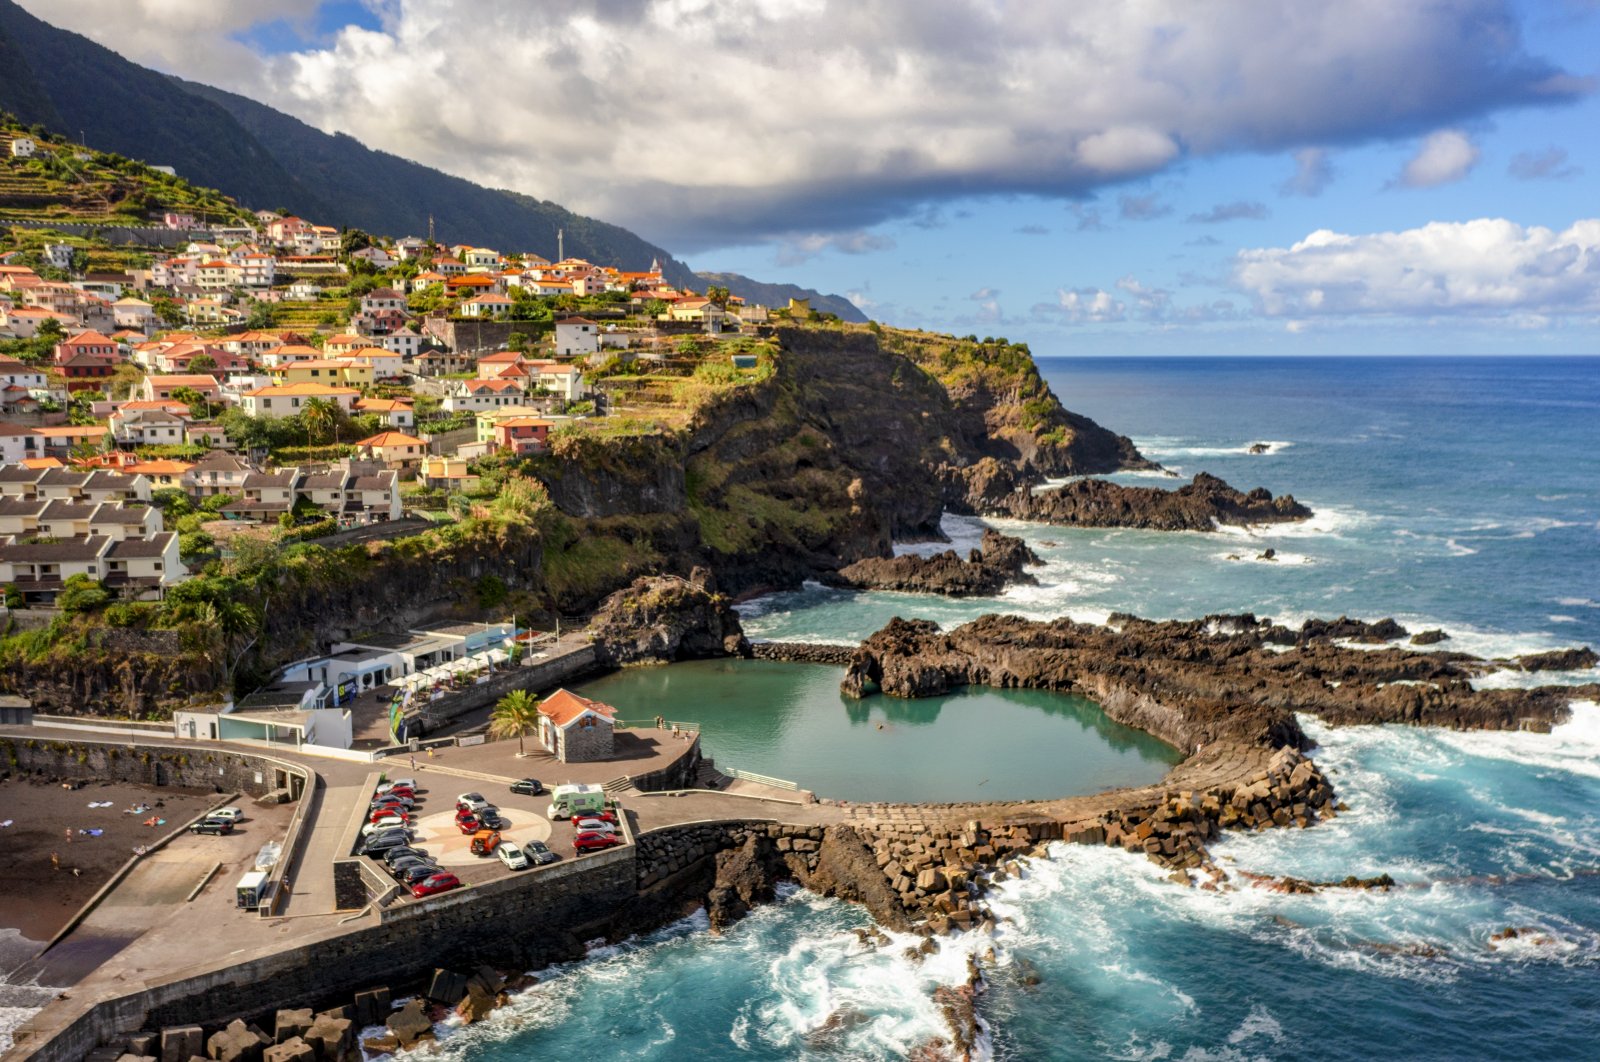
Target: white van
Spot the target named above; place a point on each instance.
(569, 800)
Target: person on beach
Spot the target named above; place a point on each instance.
(55, 860)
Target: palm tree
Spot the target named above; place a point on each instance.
(318, 417)
(515, 714)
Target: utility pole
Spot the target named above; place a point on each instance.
(561, 243)
(430, 230)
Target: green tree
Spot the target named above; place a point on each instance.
(718, 295)
(319, 417)
(50, 330)
(202, 363)
(82, 594)
(514, 715)
(262, 315)
(517, 341)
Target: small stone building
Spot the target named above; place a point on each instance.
(575, 729)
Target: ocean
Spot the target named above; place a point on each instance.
(1454, 493)
(1462, 494)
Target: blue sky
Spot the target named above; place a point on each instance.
(1094, 179)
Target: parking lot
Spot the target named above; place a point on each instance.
(435, 830)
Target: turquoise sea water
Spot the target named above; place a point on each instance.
(1463, 494)
(790, 721)
(1456, 493)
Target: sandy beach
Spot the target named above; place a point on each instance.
(40, 896)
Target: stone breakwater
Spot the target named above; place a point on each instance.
(804, 652)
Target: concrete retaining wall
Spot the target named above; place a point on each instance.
(514, 923)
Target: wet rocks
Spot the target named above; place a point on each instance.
(1559, 660)
(1200, 505)
(1429, 637)
(803, 652)
(999, 562)
(1221, 678)
(664, 618)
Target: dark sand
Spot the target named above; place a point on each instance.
(36, 899)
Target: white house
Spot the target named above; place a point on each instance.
(472, 396)
(404, 343)
(288, 399)
(577, 335)
(23, 148)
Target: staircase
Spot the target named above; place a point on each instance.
(619, 785)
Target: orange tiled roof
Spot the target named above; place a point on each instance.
(564, 706)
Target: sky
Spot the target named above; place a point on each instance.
(1154, 177)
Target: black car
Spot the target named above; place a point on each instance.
(393, 855)
(409, 861)
(539, 853)
(491, 819)
(385, 840)
(527, 787)
(416, 872)
(389, 801)
(216, 826)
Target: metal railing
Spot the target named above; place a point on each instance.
(658, 724)
(761, 779)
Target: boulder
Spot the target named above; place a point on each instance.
(330, 1036)
(476, 1005)
(182, 1042)
(1433, 637)
(1198, 506)
(293, 1049)
(236, 1043)
(371, 1007)
(999, 562)
(664, 618)
(290, 1024)
(410, 1023)
(144, 1042)
(447, 987)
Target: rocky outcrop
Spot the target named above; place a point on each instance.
(1231, 678)
(664, 618)
(1198, 506)
(999, 562)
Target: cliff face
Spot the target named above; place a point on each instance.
(854, 439)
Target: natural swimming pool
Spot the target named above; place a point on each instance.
(790, 721)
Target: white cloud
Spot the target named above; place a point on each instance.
(797, 249)
(712, 122)
(1488, 268)
(1084, 306)
(1445, 156)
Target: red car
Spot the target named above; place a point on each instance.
(442, 882)
(396, 794)
(604, 816)
(593, 842)
(468, 825)
(391, 809)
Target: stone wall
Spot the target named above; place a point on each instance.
(526, 920)
(679, 774)
(803, 652)
(220, 771)
(581, 744)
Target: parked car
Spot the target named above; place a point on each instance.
(604, 815)
(386, 822)
(471, 801)
(491, 817)
(232, 814)
(382, 842)
(212, 825)
(390, 800)
(484, 842)
(394, 794)
(389, 812)
(527, 787)
(594, 840)
(398, 783)
(399, 863)
(394, 855)
(469, 825)
(539, 853)
(511, 856)
(443, 881)
(416, 872)
(586, 824)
